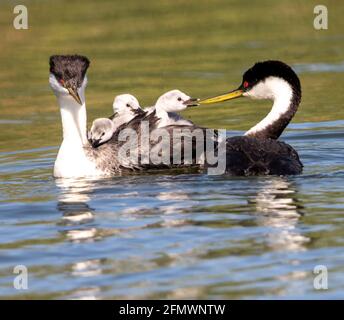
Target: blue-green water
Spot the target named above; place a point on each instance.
(181, 236)
(171, 236)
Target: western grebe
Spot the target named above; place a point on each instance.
(257, 152)
(68, 81)
(77, 158)
(125, 107)
(272, 80)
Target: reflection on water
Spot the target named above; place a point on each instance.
(277, 208)
(180, 236)
(74, 190)
(85, 294)
(72, 202)
(87, 268)
(77, 215)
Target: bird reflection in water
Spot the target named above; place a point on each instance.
(277, 207)
(76, 218)
(75, 210)
(278, 210)
(171, 204)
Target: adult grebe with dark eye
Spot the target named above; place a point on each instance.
(76, 156)
(254, 154)
(258, 152)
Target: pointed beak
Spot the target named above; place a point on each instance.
(95, 143)
(113, 116)
(224, 97)
(74, 93)
(139, 112)
(192, 102)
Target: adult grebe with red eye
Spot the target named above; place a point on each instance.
(267, 80)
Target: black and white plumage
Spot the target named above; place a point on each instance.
(77, 158)
(276, 81)
(258, 152)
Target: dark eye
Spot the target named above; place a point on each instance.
(102, 134)
(128, 105)
(179, 99)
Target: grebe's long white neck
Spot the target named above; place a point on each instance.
(272, 80)
(74, 119)
(285, 104)
(71, 160)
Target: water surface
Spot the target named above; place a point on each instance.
(176, 236)
(171, 236)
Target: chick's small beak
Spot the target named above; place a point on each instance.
(139, 112)
(224, 97)
(113, 116)
(74, 93)
(95, 143)
(192, 102)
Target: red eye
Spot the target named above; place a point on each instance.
(62, 82)
(246, 84)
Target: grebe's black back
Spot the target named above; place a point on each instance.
(256, 153)
(259, 152)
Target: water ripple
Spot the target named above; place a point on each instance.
(175, 236)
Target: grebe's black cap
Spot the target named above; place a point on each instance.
(68, 67)
(270, 68)
(70, 71)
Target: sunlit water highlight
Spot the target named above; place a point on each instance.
(176, 236)
(171, 236)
